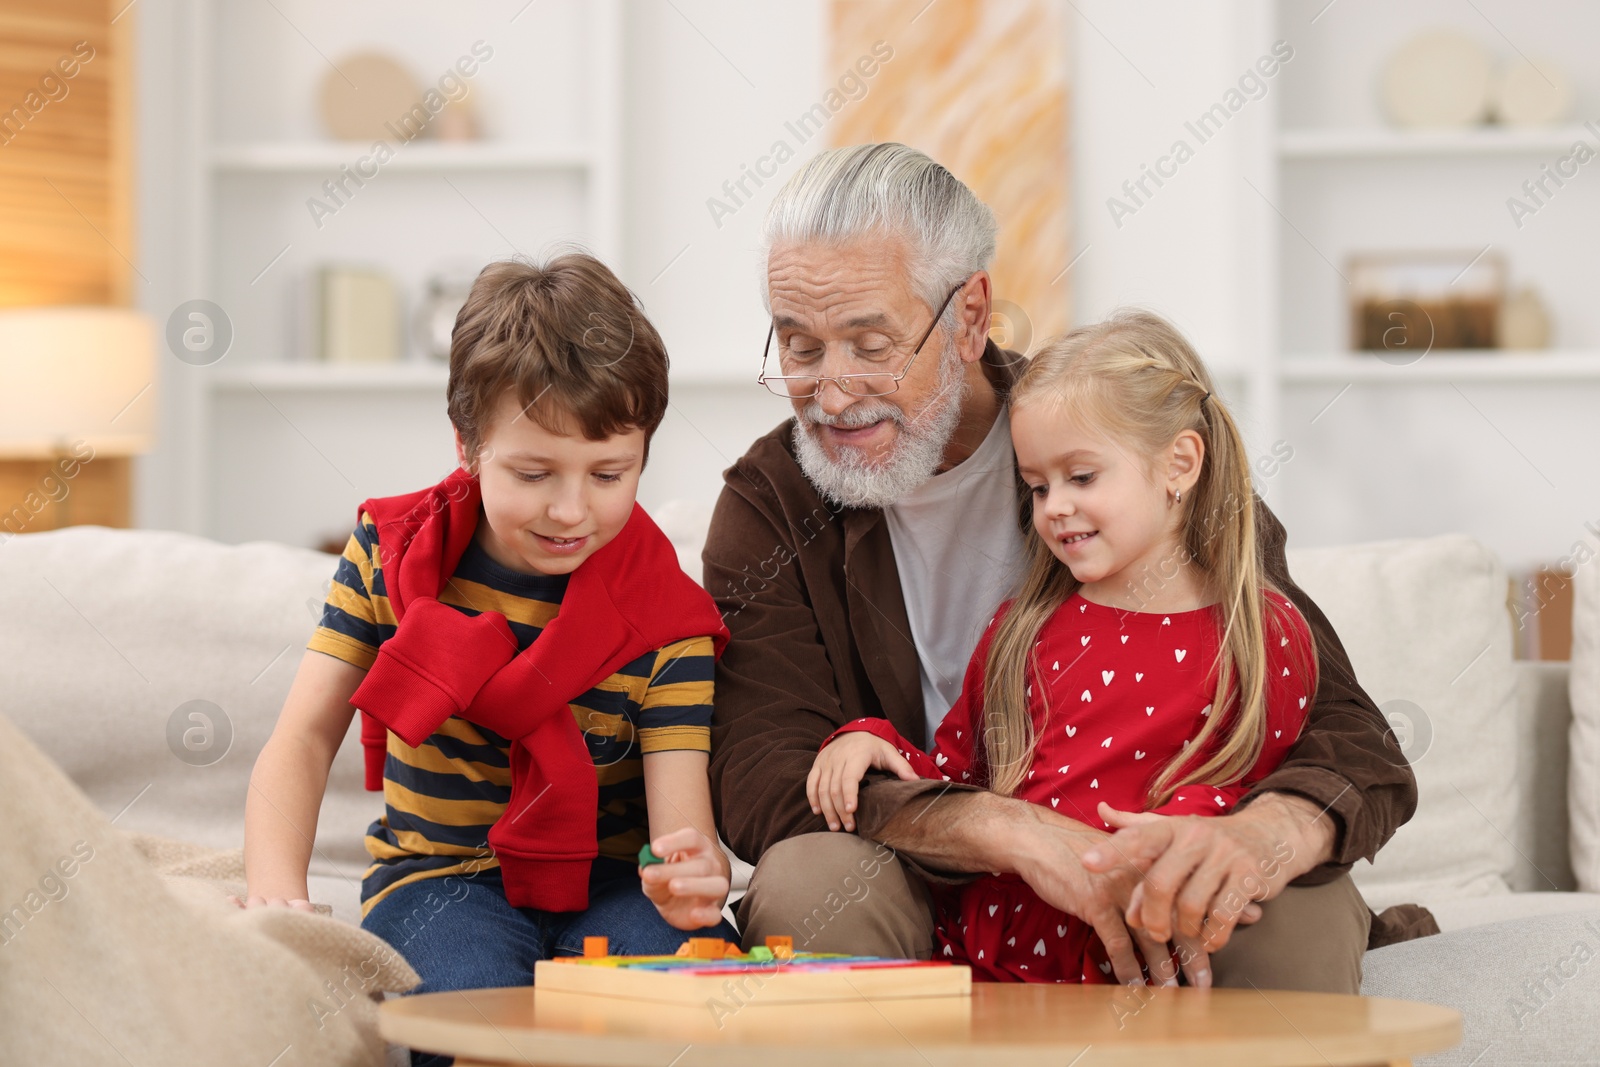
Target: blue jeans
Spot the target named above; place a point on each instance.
(459, 932)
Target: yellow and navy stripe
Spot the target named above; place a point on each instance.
(441, 798)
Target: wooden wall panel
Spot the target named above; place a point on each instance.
(982, 86)
(66, 233)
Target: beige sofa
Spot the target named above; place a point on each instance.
(151, 666)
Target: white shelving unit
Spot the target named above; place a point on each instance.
(1313, 144)
(1386, 448)
(270, 431)
(273, 158)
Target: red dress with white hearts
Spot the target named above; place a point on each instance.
(1115, 695)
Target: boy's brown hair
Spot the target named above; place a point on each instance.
(572, 342)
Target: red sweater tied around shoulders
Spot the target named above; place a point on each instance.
(628, 598)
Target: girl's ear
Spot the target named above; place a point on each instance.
(1183, 465)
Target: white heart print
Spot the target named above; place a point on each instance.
(1180, 653)
(1061, 931)
(1149, 711)
(1138, 676)
(1086, 697)
(940, 760)
(1124, 638)
(1302, 702)
(1137, 754)
(992, 909)
(1038, 949)
(1095, 784)
(1106, 676)
(1084, 640)
(1106, 743)
(1055, 802)
(1072, 731)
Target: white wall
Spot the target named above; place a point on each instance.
(710, 84)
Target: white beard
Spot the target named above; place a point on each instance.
(852, 481)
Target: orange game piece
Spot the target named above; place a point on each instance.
(595, 947)
(707, 948)
(782, 945)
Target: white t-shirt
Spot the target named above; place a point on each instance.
(958, 550)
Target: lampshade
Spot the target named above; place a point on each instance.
(70, 374)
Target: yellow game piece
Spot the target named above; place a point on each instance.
(782, 946)
(596, 947)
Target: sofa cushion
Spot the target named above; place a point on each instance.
(1427, 629)
(1526, 988)
(116, 639)
(151, 666)
(1583, 775)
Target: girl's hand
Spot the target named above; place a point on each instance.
(256, 900)
(835, 779)
(691, 887)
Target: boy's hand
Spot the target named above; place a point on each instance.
(835, 779)
(691, 887)
(256, 900)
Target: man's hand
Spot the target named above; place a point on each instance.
(835, 778)
(691, 887)
(1054, 869)
(1203, 875)
(974, 830)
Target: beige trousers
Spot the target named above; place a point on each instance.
(836, 892)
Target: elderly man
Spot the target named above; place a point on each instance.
(857, 552)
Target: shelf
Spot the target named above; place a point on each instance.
(1477, 140)
(330, 377)
(293, 157)
(1443, 366)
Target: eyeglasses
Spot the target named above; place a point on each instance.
(871, 383)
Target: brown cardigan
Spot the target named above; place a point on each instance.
(812, 596)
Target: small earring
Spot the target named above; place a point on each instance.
(1178, 497)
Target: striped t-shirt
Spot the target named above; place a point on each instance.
(441, 798)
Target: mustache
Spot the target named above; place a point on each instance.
(861, 413)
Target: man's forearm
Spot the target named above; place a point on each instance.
(1304, 827)
(946, 828)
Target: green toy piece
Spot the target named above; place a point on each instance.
(759, 952)
(646, 857)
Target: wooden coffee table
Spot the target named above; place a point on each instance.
(1019, 1025)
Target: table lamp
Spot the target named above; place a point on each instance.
(77, 399)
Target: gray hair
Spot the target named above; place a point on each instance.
(888, 188)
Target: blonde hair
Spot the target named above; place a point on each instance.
(1135, 378)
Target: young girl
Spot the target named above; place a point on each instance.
(1114, 676)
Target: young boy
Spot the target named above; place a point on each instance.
(533, 667)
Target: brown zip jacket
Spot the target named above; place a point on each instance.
(812, 596)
